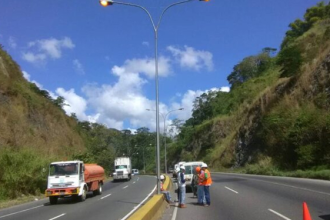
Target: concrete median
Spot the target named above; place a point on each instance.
(154, 207)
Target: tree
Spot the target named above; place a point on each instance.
(290, 59)
(60, 102)
(250, 67)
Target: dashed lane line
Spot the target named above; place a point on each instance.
(14, 213)
(279, 214)
(125, 187)
(57, 216)
(105, 196)
(231, 189)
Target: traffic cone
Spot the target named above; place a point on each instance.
(306, 214)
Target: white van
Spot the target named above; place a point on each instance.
(190, 171)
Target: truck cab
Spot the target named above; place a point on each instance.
(73, 178)
(123, 169)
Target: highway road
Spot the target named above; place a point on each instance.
(117, 201)
(252, 197)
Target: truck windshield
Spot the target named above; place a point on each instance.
(63, 169)
(121, 167)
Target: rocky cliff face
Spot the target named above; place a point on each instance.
(312, 83)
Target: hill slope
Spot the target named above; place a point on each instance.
(29, 119)
(276, 114)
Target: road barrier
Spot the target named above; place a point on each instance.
(155, 207)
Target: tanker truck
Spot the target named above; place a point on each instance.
(75, 179)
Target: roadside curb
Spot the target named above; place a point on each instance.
(154, 208)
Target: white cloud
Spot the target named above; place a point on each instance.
(125, 101)
(147, 66)
(47, 48)
(74, 103)
(78, 67)
(12, 43)
(191, 58)
(145, 43)
(225, 89)
(33, 58)
(26, 76)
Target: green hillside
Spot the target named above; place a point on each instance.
(34, 131)
(276, 116)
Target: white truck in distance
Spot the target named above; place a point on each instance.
(123, 169)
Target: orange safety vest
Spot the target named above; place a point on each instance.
(207, 181)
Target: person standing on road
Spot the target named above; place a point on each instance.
(206, 182)
(177, 182)
(200, 186)
(182, 186)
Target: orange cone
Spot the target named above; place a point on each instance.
(306, 214)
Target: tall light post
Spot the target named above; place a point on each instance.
(165, 131)
(155, 29)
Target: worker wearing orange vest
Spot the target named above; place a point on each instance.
(200, 187)
(206, 182)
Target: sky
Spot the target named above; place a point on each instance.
(102, 59)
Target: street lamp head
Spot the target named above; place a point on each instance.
(204, 0)
(180, 109)
(106, 3)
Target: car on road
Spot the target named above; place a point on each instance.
(135, 172)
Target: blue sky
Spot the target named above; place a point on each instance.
(101, 59)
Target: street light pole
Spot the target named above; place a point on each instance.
(155, 28)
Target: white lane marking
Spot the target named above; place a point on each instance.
(125, 187)
(105, 196)
(133, 182)
(175, 211)
(57, 216)
(280, 184)
(20, 211)
(136, 207)
(138, 179)
(231, 189)
(278, 214)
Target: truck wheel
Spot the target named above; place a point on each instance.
(98, 191)
(83, 196)
(53, 200)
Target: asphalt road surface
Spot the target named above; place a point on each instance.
(251, 197)
(117, 201)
